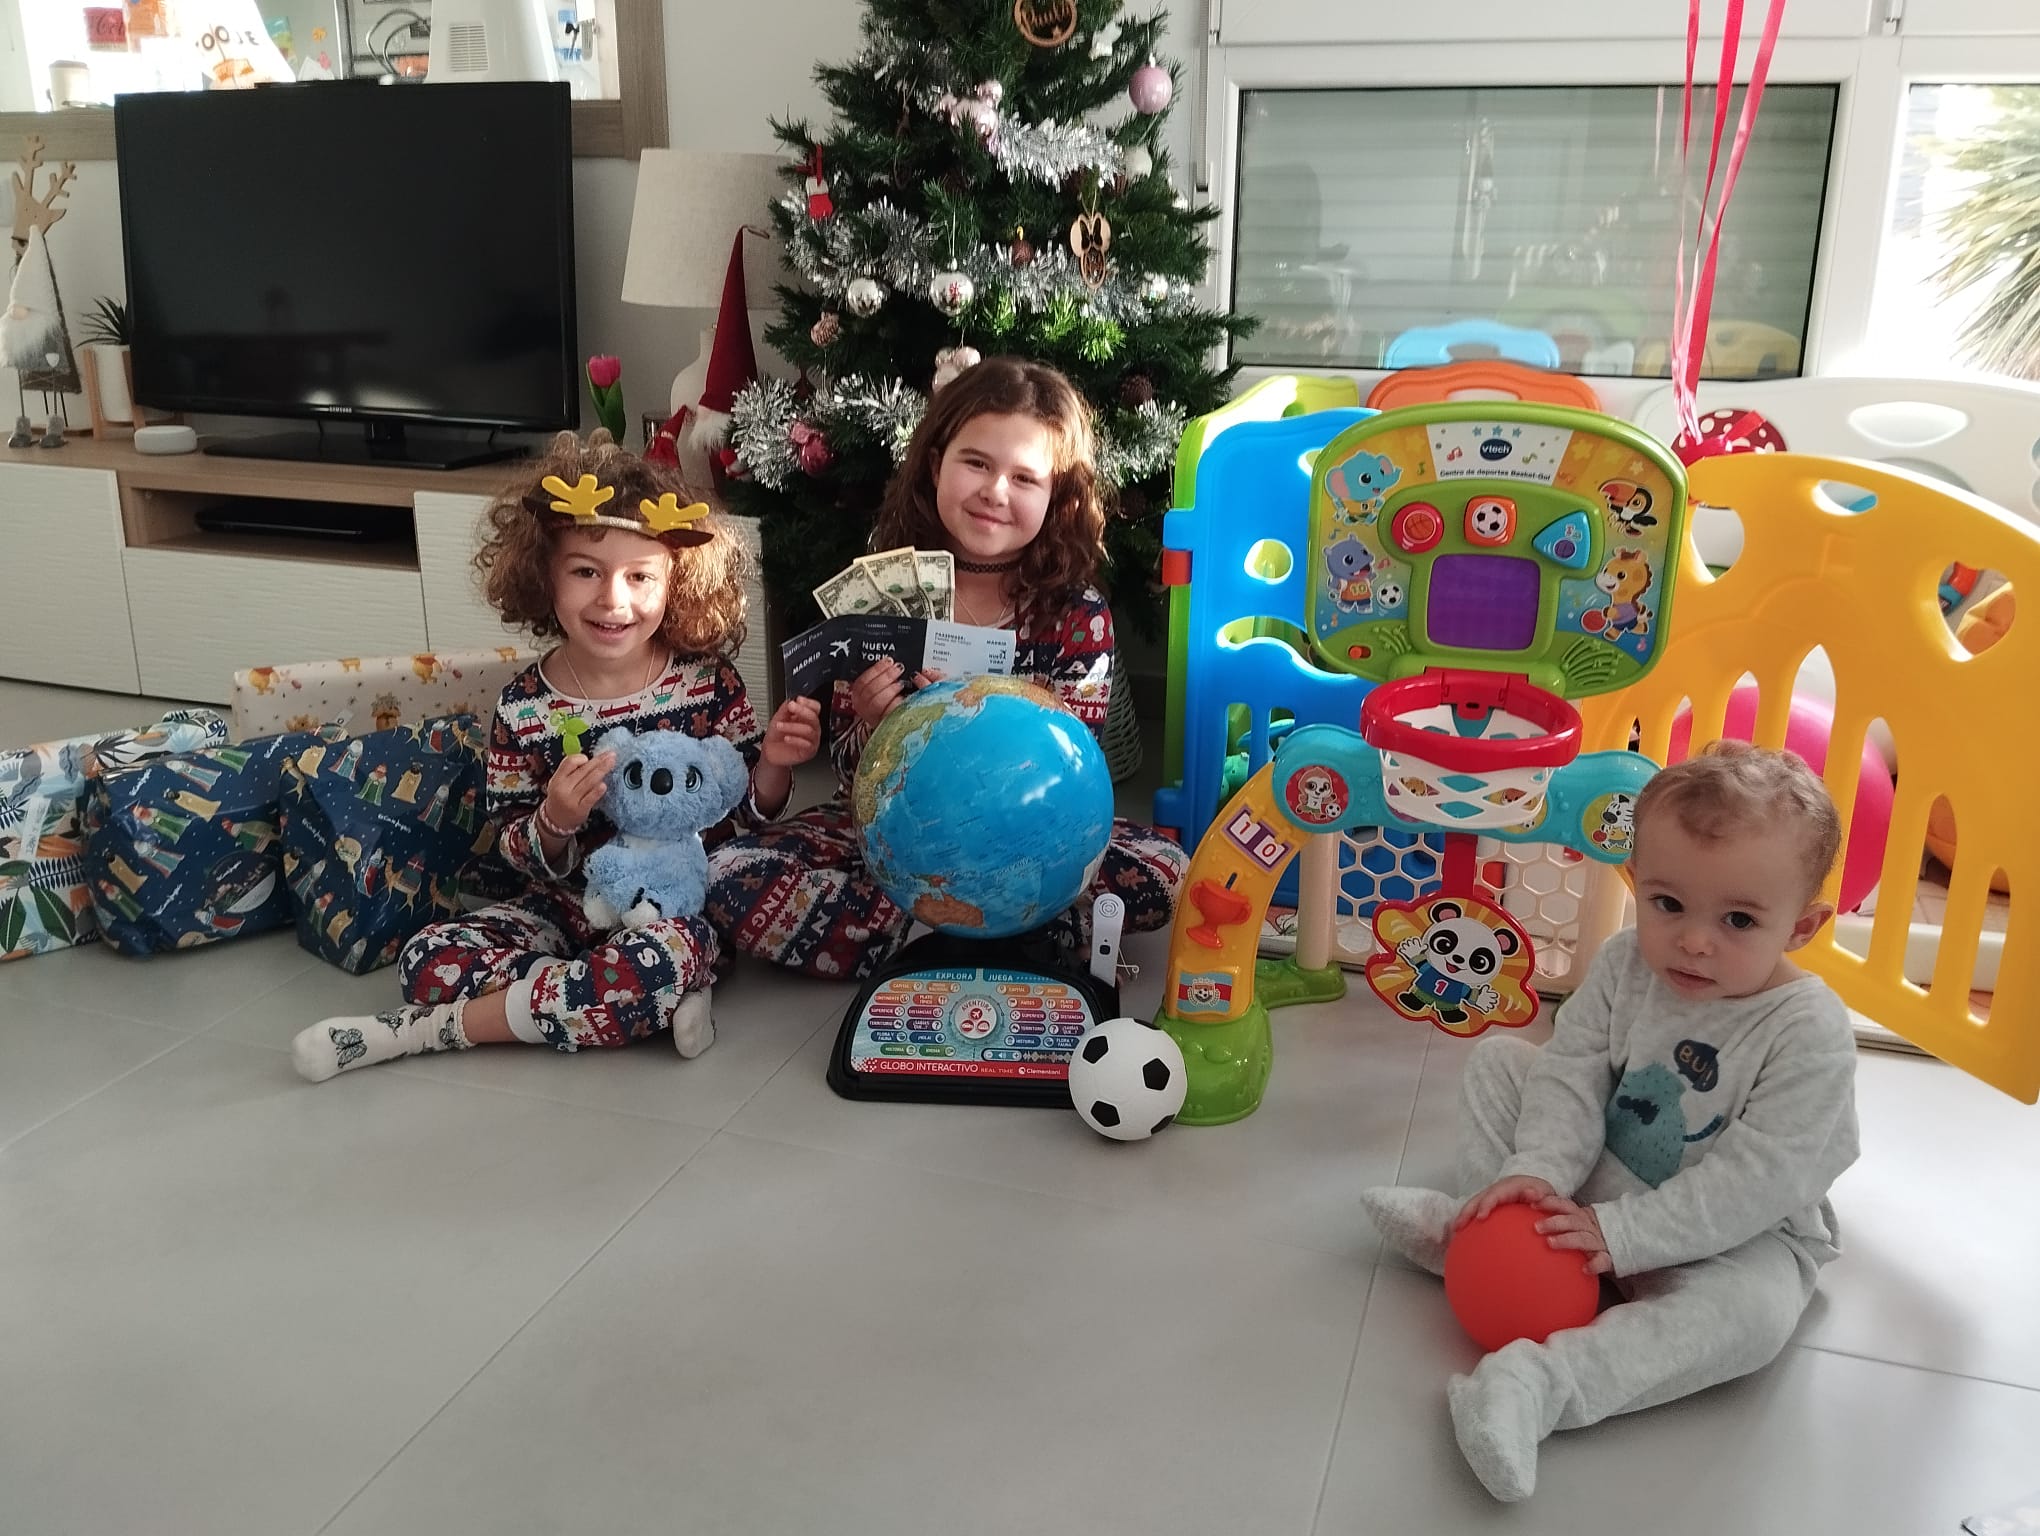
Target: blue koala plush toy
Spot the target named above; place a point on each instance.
(665, 789)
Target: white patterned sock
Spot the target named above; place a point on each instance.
(1416, 1223)
(333, 1046)
(693, 1029)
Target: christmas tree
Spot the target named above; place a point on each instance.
(995, 182)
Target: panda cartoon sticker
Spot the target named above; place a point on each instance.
(1455, 959)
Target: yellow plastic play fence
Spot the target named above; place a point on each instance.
(1863, 585)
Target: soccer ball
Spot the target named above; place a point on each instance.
(1127, 1079)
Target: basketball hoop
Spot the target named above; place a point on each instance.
(1468, 750)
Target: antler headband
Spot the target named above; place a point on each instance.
(583, 502)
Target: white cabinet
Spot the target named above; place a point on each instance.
(449, 533)
(63, 604)
(114, 574)
(199, 617)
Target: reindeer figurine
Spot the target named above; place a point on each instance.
(37, 339)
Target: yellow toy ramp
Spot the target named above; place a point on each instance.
(1864, 586)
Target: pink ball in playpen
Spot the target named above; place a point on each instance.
(1807, 728)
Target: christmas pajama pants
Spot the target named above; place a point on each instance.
(797, 894)
(1677, 1331)
(588, 988)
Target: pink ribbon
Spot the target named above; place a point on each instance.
(1689, 325)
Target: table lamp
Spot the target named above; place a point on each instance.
(701, 238)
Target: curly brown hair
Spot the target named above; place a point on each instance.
(1066, 555)
(704, 590)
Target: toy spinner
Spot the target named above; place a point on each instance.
(1482, 564)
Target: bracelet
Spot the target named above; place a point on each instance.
(545, 825)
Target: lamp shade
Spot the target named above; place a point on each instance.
(689, 207)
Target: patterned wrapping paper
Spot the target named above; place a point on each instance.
(188, 850)
(371, 693)
(384, 834)
(45, 902)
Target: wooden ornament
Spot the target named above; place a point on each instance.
(1046, 23)
(1090, 239)
(30, 211)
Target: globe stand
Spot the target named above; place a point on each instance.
(969, 1021)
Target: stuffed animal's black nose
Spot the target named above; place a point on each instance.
(662, 781)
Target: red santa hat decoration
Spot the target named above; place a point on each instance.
(731, 361)
(702, 425)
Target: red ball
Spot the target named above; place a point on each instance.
(1506, 1282)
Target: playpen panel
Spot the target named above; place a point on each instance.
(1978, 437)
(1864, 587)
(1246, 529)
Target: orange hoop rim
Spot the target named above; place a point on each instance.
(1382, 725)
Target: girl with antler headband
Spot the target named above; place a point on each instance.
(643, 590)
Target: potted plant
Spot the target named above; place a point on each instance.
(109, 381)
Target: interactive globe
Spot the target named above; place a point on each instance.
(985, 806)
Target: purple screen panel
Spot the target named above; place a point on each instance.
(1483, 602)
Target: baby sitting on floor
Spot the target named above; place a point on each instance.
(1681, 1129)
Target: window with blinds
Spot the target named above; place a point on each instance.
(1364, 214)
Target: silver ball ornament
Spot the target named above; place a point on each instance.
(951, 292)
(864, 298)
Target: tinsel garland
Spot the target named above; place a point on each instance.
(1130, 447)
(903, 252)
(1134, 446)
(1047, 152)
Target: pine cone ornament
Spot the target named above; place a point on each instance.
(1137, 390)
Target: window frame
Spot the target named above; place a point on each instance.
(1236, 70)
(636, 120)
(1902, 63)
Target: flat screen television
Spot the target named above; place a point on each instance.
(367, 257)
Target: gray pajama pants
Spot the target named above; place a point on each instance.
(1677, 1331)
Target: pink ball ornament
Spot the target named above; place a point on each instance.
(1808, 724)
(811, 448)
(1151, 88)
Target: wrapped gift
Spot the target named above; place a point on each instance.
(384, 835)
(372, 693)
(44, 900)
(188, 850)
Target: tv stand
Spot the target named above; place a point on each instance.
(386, 443)
(162, 574)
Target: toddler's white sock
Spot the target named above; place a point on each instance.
(1498, 1422)
(333, 1046)
(693, 1029)
(1416, 1223)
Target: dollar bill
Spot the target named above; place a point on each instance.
(850, 591)
(895, 573)
(938, 581)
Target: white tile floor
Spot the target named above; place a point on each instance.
(507, 1292)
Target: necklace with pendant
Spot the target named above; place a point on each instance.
(575, 673)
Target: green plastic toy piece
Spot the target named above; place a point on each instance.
(1227, 1062)
(571, 728)
(1284, 984)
